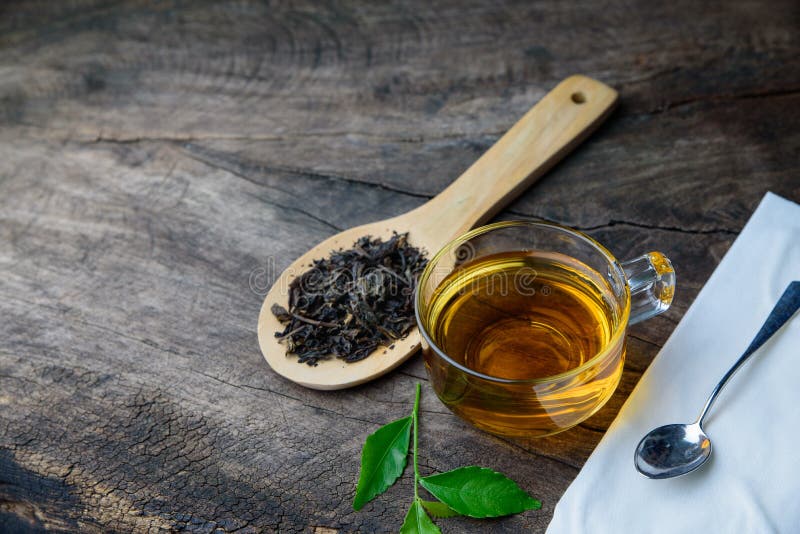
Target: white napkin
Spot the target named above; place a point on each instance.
(751, 483)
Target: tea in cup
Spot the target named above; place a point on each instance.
(523, 324)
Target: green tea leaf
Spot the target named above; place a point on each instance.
(383, 460)
(439, 510)
(418, 522)
(479, 492)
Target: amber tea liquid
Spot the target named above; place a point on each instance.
(523, 316)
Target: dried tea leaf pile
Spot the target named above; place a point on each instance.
(353, 301)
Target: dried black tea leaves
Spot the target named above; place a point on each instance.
(353, 301)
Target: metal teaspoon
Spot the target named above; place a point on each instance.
(673, 450)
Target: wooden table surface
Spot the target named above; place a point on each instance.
(161, 162)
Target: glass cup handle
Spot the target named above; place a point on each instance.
(652, 283)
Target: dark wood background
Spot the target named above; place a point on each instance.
(161, 162)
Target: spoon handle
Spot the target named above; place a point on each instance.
(543, 136)
(787, 305)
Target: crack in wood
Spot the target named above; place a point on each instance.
(665, 107)
(643, 340)
(69, 136)
(617, 222)
(299, 172)
(242, 176)
(592, 428)
(317, 175)
(669, 106)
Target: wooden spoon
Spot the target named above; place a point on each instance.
(557, 124)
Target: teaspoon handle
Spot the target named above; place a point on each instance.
(787, 305)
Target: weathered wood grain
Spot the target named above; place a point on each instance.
(161, 162)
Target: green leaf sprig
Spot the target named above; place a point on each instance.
(471, 491)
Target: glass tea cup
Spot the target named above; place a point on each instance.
(523, 324)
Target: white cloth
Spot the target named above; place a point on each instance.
(751, 483)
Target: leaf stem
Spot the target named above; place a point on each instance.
(414, 418)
